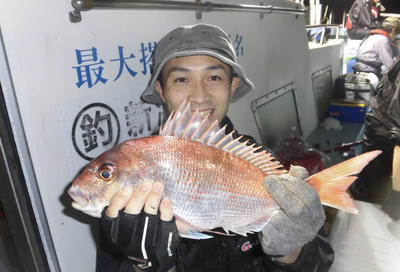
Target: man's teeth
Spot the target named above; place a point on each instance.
(204, 113)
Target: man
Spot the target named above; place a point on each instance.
(363, 17)
(375, 51)
(198, 63)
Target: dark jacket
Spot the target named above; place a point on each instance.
(244, 254)
(363, 16)
(382, 122)
(382, 132)
(230, 253)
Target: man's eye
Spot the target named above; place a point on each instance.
(180, 80)
(214, 78)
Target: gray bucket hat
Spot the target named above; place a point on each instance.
(199, 39)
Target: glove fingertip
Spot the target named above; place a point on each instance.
(105, 217)
(298, 172)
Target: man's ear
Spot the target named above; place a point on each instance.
(234, 85)
(159, 90)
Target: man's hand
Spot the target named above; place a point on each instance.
(145, 231)
(301, 215)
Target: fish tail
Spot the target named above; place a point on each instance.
(331, 184)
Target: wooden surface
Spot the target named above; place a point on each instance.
(396, 168)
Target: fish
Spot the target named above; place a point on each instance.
(212, 179)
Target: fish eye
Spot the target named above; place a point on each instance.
(105, 172)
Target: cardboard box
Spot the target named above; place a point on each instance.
(348, 111)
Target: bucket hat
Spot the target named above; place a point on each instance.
(199, 39)
(392, 22)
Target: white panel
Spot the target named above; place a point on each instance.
(327, 55)
(323, 90)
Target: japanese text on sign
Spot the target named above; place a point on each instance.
(97, 128)
(90, 68)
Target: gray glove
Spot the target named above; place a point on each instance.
(301, 215)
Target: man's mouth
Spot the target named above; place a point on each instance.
(205, 113)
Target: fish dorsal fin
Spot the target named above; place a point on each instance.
(184, 123)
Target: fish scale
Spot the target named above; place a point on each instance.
(217, 189)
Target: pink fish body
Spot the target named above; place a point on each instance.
(212, 179)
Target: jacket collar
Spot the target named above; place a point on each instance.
(380, 32)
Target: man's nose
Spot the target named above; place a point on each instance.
(198, 94)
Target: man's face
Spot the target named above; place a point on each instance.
(205, 81)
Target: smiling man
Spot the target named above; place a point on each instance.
(205, 81)
(198, 63)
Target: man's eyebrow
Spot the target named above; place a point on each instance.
(176, 69)
(215, 67)
(184, 69)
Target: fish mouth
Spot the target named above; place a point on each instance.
(83, 203)
(90, 210)
(77, 195)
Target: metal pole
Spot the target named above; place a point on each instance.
(312, 12)
(84, 5)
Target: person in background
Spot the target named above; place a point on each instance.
(375, 51)
(198, 63)
(363, 17)
(382, 131)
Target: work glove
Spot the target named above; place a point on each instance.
(149, 242)
(301, 215)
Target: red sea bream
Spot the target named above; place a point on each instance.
(212, 179)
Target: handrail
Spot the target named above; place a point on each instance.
(323, 25)
(390, 15)
(85, 5)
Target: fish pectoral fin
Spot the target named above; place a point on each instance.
(253, 227)
(226, 230)
(187, 230)
(195, 235)
(226, 233)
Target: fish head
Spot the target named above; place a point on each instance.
(94, 187)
